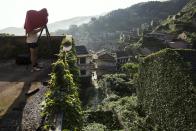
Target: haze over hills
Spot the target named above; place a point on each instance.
(64, 24)
(134, 16)
(104, 32)
(13, 30)
(118, 20)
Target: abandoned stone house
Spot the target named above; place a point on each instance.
(124, 36)
(84, 61)
(156, 41)
(127, 36)
(178, 44)
(110, 62)
(106, 62)
(123, 57)
(102, 62)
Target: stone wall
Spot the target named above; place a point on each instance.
(11, 46)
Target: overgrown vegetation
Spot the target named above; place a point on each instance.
(106, 118)
(165, 96)
(166, 91)
(95, 127)
(62, 96)
(118, 84)
(117, 108)
(131, 70)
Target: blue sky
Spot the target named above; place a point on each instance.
(13, 12)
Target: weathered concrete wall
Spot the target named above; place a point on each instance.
(11, 46)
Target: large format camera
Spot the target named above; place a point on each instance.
(35, 19)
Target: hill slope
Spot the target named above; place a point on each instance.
(184, 21)
(103, 32)
(134, 16)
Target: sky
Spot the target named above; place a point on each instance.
(13, 12)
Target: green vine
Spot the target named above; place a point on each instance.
(63, 93)
(166, 90)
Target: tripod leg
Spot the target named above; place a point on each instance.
(49, 41)
(47, 32)
(40, 34)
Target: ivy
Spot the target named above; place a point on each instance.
(62, 95)
(118, 84)
(130, 69)
(166, 90)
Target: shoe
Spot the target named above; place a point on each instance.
(38, 66)
(35, 68)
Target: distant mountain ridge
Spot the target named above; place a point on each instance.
(13, 30)
(93, 34)
(63, 25)
(134, 16)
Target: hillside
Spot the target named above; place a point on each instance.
(104, 32)
(184, 21)
(134, 16)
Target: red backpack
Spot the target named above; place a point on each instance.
(35, 19)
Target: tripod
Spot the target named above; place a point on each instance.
(48, 38)
(47, 33)
(45, 83)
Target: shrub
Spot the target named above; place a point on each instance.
(118, 84)
(131, 69)
(63, 97)
(95, 127)
(107, 118)
(128, 113)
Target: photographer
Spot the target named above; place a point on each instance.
(35, 22)
(31, 40)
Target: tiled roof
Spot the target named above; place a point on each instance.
(123, 54)
(81, 50)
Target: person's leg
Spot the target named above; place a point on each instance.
(33, 52)
(34, 58)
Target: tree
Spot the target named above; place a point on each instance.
(131, 69)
